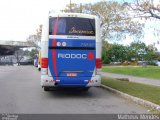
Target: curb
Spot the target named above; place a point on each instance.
(137, 100)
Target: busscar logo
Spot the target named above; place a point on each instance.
(89, 56)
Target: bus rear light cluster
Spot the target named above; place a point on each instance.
(98, 63)
(91, 81)
(51, 81)
(44, 63)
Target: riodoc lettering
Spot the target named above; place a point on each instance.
(73, 56)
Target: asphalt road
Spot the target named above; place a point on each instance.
(20, 92)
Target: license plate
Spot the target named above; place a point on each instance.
(71, 74)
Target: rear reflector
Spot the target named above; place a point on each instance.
(98, 63)
(44, 63)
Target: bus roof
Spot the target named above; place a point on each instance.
(72, 15)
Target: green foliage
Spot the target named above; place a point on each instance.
(136, 51)
(33, 52)
(118, 53)
(147, 92)
(105, 54)
(105, 58)
(158, 56)
(152, 63)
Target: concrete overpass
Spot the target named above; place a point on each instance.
(8, 47)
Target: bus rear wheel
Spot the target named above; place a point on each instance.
(86, 88)
(46, 88)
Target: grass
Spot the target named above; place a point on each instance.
(147, 72)
(146, 92)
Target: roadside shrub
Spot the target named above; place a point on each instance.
(152, 63)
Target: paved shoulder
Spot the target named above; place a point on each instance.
(143, 80)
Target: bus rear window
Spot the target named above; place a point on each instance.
(72, 26)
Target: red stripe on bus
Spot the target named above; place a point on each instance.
(54, 51)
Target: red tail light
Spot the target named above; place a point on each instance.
(44, 63)
(98, 63)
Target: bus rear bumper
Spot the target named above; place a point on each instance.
(47, 81)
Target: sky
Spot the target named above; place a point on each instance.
(20, 18)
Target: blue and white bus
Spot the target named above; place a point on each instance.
(71, 51)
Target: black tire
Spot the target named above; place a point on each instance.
(39, 69)
(86, 88)
(46, 89)
(53, 89)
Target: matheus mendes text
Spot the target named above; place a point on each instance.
(138, 117)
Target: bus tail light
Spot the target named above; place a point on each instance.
(98, 63)
(44, 63)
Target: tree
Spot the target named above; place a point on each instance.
(73, 7)
(35, 38)
(116, 22)
(105, 54)
(137, 50)
(140, 51)
(118, 53)
(19, 54)
(146, 8)
(151, 53)
(158, 56)
(33, 52)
